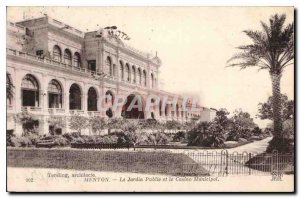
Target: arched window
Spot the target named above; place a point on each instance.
(152, 80)
(30, 91)
(139, 80)
(121, 70)
(127, 73)
(54, 94)
(108, 64)
(68, 57)
(56, 53)
(114, 70)
(77, 60)
(92, 99)
(75, 97)
(133, 74)
(144, 78)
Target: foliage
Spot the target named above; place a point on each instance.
(97, 123)
(78, 123)
(243, 119)
(135, 138)
(272, 50)
(9, 87)
(173, 125)
(179, 136)
(289, 129)
(61, 141)
(215, 137)
(57, 122)
(20, 142)
(29, 123)
(9, 135)
(207, 135)
(156, 139)
(266, 109)
(197, 135)
(130, 126)
(222, 118)
(257, 131)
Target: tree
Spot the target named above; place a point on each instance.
(78, 123)
(29, 123)
(97, 124)
(173, 125)
(222, 119)
(242, 119)
(57, 122)
(272, 50)
(266, 110)
(198, 134)
(9, 87)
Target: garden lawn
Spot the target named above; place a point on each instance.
(115, 161)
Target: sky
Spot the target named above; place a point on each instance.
(194, 44)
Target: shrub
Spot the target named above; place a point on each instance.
(135, 138)
(179, 136)
(207, 135)
(33, 138)
(9, 135)
(109, 139)
(257, 131)
(197, 134)
(61, 141)
(233, 135)
(21, 142)
(78, 123)
(156, 139)
(29, 123)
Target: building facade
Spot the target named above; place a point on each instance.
(58, 70)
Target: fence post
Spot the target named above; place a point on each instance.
(226, 163)
(249, 167)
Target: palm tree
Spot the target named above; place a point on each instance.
(9, 87)
(272, 50)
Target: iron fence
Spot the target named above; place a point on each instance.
(197, 163)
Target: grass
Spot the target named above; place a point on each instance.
(115, 161)
(272, 163)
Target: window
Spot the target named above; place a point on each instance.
(144, 78)
(54, 94)
(30, 91)
(152, 81)
(139, 76)
(77, 60)
(108, 64)
(121, 70)
(133, 74)
(92, 65)
(67, 57)
(56, 53)
(92, 99)
(127, 73)
(75, 97)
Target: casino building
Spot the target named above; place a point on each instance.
(58, 70)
